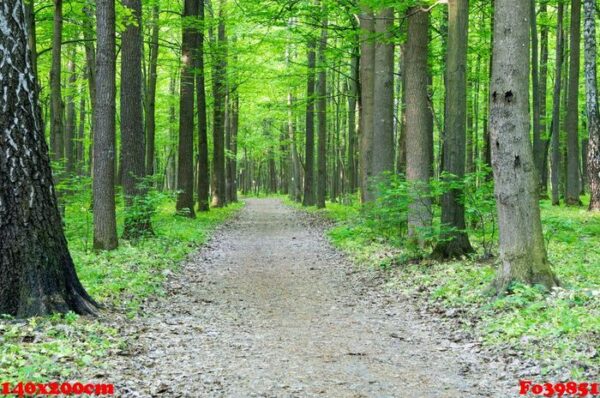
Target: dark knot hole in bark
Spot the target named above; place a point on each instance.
(494, 96)
(517, 161)
(509, 96)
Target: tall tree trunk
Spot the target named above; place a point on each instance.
(322, 115)
(90, 58)
(542, 159)
(31, 34)
(401, 145)
(219, 106)
(235, 122)
(367, 92)
(591, 94)
(56, 105)
(37, 274)
(203, 162)
(455, 242)
(352, 130)
(487, 149)
(103, 176)
(535, 83)
(137, 212)
(151, 92)
(555, 163)
(419, 131)
(573, 179)
(79, 153)
(185, 164)
(309, 156)
(295, 182)
(383, 100)
(522, 252)
(71, 116)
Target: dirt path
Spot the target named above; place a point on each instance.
(269, 309)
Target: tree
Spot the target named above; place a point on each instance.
(419, 126)
(309, 152)
(56, 104)
(455, 242)
(522, 251)
(352, 130)
(151, 91)
(367, 91)
(573, 188)
(542, 149)
(70, 115)
(219, 109)
(185, 164)
(593, 160)
(383, 95)
(138, 215)
(322, 115)
(37, 275)
(555, 162)
(203, 162)
(105, 223)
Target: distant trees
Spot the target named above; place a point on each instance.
(354, 97)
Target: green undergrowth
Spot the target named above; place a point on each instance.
(559, 330)
(58, 347)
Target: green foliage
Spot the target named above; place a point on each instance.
(43, 349)
(560, 330)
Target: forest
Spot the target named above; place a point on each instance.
(241, 192)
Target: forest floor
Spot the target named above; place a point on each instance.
(268, 308)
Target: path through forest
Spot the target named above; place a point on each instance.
(269, 309)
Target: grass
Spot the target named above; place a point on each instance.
(57, 347)
(559, 330)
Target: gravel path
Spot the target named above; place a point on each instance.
(269, 309)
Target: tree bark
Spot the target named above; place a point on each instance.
(105, 224)
(185, 164)
(90, 57)
(71, 116)
(56, 104)
(203, 162)
(219, 106)
(555, 163)
(591, 94)
(151, 92)
(367, 92)
(455, 243)
(322, 115)
(137, 212)
(522, 252)
(309, 156)
(542, 158)
(383, 99)
(37, 274)
(535, 83)
(419, 129)
(352, 130)
(573, 180)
